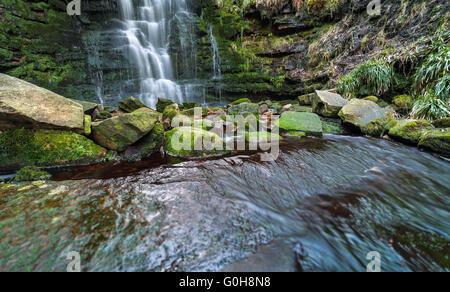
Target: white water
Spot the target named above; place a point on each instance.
(146, 28)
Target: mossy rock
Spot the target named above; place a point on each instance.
(22, 147)
(297, 134)
(379, 127)
(403, 103)
(306, 99)
(189, 105)
(171, 111)
(442, 123)
(190, 112)
(241, 100)
(162, 104)
(327, 104)
(147, 146)
(332, 126)
(189, 142)
(304, 122)
(117, 133)
(437, 140)
(244, 109)
(88, 107)
(131, 104)
(371, 98)
(150, 112)
(360, 113)
(87, 125)
(31, 173)
(409, 130)
(300, 108)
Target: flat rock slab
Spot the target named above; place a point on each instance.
(117, 133)
(327, 104)
(360, 113)
(24, 105)
(308, 123)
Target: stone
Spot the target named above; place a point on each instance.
(162, 103)
(24, 105)
(31, 173)
(244, 109)
(308, 123)
(147, 146)
(149, 111)
(180, 143)
(131, 104)
(24, 147)
(402, 103)
(437, 140)
(189, 105)
(171, 111)
(263, 108)
(87, 125)
(306, 99)
(360, 113)
(442, 123)
(241, 100)
(300, 108)
(88, 107)
(371, 98)
(332, 126)
(117, 133)
(409, 131)
(190, 112)
(327, 104)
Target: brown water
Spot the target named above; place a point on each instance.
(322, 206)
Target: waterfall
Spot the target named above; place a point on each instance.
(216, 60)
(146, 28)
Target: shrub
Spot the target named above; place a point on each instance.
(429, 107)
(372, 77)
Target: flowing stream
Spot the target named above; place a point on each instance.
(322, 206)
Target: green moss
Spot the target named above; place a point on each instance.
(31, 173)
(162, 104)
(437, 140)
(191, 111)
(171, 111)
(241, 100)
(371, 98)
(409, 130)
(23, 147)
(304, 122)
(87, 125)
(403, 103)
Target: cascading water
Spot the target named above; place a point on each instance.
(146, 29)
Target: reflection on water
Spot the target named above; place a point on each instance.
(323, 205)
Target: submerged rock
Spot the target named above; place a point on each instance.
(131, 104)
(409, 131)
(31, 173)
(244, 109)
(327, 104)
(117, 133)
(437, 140)
(308, 123)
(22, 147)
(190, 142)
(360, 113)
(24, 105)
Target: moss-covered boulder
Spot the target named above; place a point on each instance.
(371, 98)
(147, 146)
(442, 123)
(88, 107)
(190, 142)
(437, 140)
(360, 113)
(162, 104)
(117, 133)
(150, 112)
(31, 173)
(409, 131)
(241, 100)
(403, 103)
(308, 123)
(131, 104)
(24, 105)
(379, 127)
(190, 112)
(171, 111)
(327, 104)
(87, 125)
(189, 105)
(22, 147)
(244, 109)
(306, 99)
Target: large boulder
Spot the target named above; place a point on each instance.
(409, 131)
(360, 113)
(244, 109)
(437, 140)
(88, 107)
(117, 133)
(327, 104)
(181, 142)
(147, 146)
(131, 104)
(24, 105)
(308, 123)
(23, 147)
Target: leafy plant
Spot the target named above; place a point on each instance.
(429, 107)
(372, 77)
